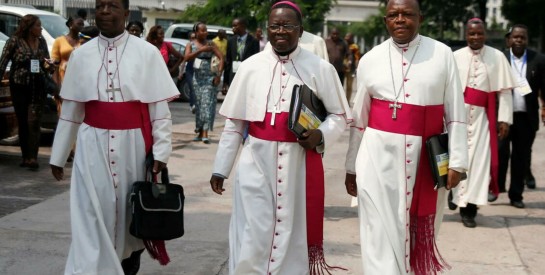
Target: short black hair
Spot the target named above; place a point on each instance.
(417, 3)
(520, 26)
(69, 21)
(135, 23)
(242, 21)
(82, 13)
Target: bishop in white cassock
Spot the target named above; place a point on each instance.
(117, 107)
(408, 90)
(486, 75)
(272, 226)
(387, 162)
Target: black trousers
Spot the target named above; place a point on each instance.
(28, 105)
(517, 147)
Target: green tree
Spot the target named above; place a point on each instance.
(222, 12)
(530, 13)
(372, 27)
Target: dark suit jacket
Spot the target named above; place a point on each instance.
(251, 47)
(535, 74)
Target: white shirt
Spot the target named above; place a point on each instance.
(518, 66)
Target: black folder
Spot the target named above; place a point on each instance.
(307, 111)
(437, 147)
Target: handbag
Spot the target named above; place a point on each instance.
(215, 64)
(50, 86)
(157, 209)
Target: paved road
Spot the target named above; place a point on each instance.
(35, 227)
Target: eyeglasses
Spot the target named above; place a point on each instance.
(288, 28)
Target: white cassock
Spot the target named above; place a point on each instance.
(267, 234)
(489, 71)
(312, 43)
(108, 162)
(385, 163)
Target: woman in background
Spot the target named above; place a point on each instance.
(60, 53)
(63, 47)
(156, 37)
(204, 81)
(27, 51)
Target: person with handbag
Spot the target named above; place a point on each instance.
(205, 80)
(119, 115)
(172, 57)
(27, 51)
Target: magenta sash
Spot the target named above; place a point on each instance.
(488, 102)
(120, 116)
(314, 188)
(424, 121)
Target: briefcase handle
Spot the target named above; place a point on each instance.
(153, 177)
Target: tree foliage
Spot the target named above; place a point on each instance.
(530, 13)
(222, 12)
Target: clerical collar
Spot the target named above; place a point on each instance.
(476, 52)
(115, 41)
(287, 56)
(411, 43)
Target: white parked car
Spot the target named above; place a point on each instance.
(182, 30)
(53, 24)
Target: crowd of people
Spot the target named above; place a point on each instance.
(408, 89)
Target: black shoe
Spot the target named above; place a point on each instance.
(492, 197)
(517, 204)
(469, 222)
(451, 205)
(33, 166)
(531, 183)
(131, 265)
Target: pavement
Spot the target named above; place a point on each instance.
(35, 223)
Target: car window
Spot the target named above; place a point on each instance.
(54, 25)
(181, 32)
(8, 23)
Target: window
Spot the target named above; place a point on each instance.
(9, 23)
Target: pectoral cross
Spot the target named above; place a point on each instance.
(395, 106)
(113, 90)
(275, 111)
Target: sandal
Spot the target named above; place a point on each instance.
(197, 139)
(206, 140)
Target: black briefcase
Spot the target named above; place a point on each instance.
(157, 209)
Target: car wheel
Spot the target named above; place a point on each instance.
(183, 88)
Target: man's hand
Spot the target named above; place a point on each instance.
(453, 179)
(158, 166)
(351, 186)
(58, 172)
(543, 113)
(311, 139)
(217, 184)
(225, 88)
(503, 130)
